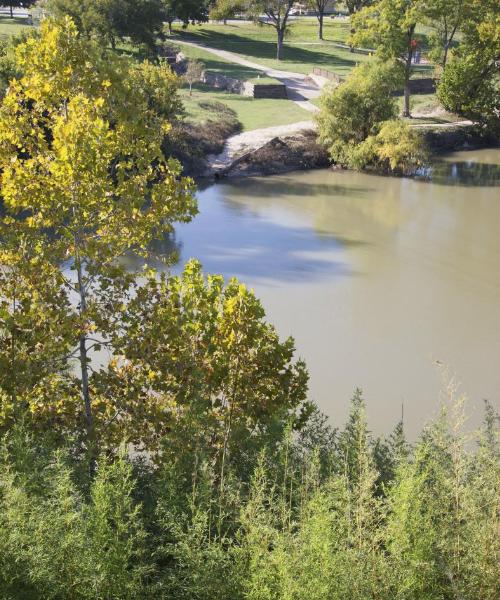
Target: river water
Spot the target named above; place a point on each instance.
(380, 280)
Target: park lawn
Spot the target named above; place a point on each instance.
(258, 43)
(216, 64)
(253, 113)
(263, 80)
(9, 27)
(429, 109)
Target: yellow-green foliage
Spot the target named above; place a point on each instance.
(200, 361)
(357, 122)
(83, 180)
(283, 529)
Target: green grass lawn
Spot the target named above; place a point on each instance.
(263, 80)
(429, 109)
(216, 64)
(253, 113)
(10, 26)
(302, 49)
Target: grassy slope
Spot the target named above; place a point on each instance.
(214, 63)
(10, 26)
(253, 113)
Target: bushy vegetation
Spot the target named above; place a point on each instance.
(357, 123)
(188, 462)
(320, 514)
(139, 21)
(470, 84)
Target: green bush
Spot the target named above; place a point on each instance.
(470, 88)
(357, 123)
(310, 522)
(352, 111)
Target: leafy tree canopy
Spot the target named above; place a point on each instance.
(140, 21)
(83, 181)
(470, 84)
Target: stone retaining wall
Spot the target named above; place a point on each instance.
(235, 86)
(265, 90)
(222, 82)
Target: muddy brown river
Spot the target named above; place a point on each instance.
(382, 281)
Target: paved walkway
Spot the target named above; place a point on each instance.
(448, 125)
(300, 88)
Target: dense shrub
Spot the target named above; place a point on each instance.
(357, 123)
(310, 522)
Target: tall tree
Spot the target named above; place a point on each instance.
(470, 83)
(187, 11)
(445, 17)
(390, 26)
(319, 6)
(277, 13)
(111, 20)
(83, 181)
(222, 10)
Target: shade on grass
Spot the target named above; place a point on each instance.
(10, 26)
(301, 52)
(253, 113)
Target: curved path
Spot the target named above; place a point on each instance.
(300, 88)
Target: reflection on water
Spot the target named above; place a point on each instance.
(377, 278)
(465, 171)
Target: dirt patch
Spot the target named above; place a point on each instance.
(191, 143)
(279, 155)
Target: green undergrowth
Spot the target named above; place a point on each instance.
(252, 113)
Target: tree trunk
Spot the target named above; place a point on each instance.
(11, 11)
(84, 366)
(406, 109)
(320, 29)
(279, 46)
(407, 64)
(445, 53)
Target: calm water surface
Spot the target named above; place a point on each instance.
(376, 278)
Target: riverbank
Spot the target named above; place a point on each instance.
(370, 274)
(279, 150)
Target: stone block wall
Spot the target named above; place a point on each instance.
(235, 86)
(265, 90)
(222, 82)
